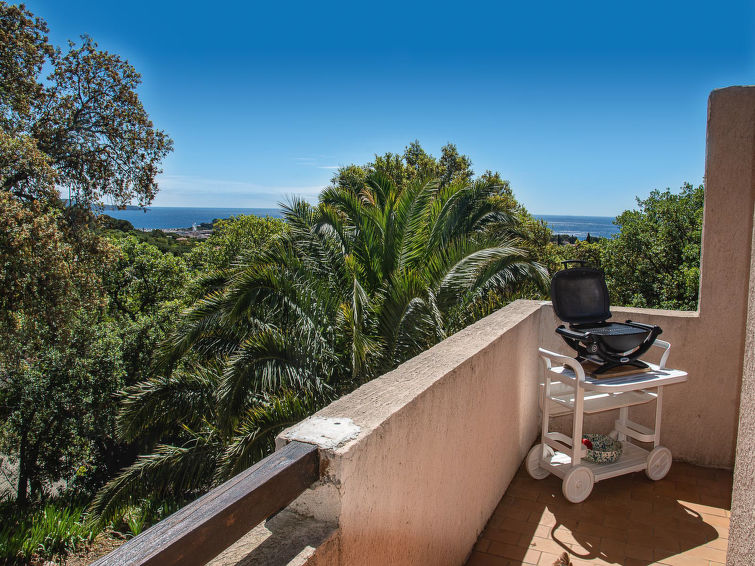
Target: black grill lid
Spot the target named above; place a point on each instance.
(580, 295)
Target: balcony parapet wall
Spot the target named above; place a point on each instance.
(438, 441)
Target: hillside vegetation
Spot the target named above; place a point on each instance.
(137, 371)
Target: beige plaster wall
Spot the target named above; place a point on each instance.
(742, 525)
(741, 551)
(440, 439)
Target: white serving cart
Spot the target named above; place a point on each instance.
(566, 389)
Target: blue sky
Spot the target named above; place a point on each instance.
(582, 106)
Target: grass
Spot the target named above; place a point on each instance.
(59, 528)
(48, 533)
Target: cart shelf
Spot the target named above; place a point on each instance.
(632, 459)
(566, 388)
(655, 377)
(595, 402)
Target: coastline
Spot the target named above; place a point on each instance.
(181, 220)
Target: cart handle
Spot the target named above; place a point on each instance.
(664, 357)
(576, 367)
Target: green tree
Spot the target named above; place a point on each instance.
(57, 409)
(82, 129)
(353, 287)
(414, 163)
(232, 239)
(142, 278)
(49, 285)
(654, 261)
(145, 289)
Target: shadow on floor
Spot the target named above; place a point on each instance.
(628, 520)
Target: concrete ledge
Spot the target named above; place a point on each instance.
(286, 539)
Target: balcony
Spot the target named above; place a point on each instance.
(422, 465)
(629, 520)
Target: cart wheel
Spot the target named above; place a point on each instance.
(578, 484)
(659, 463)
(533, 461)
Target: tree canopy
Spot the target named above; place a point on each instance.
(79, 130)
(374, 274)
(82, 129)
(654, 261)
(413, 163)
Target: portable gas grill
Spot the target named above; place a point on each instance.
(580, 298)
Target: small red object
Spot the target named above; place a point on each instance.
(587, 443)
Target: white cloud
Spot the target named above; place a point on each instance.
(182, 190)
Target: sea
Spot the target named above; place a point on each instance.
(580, 226)
(162, 217)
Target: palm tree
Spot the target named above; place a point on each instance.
(372, 276)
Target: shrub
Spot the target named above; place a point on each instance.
(48, 533)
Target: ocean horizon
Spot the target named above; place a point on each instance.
(166, 217)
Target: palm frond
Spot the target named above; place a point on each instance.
(160, 404)
(255, 434)
(270, 361)
(169, 470)
(475, 271)
(414, 211)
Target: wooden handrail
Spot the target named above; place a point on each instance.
(195, 534)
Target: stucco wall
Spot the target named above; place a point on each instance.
(741, 542)
(440, 439)
(741, 550)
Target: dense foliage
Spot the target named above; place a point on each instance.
(374, 274)
(71, 334)
(655, 260)
(51, 291)
(81, 129)
(233, 238)
(117, 342)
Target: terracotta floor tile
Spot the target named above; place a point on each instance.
(719, 543)
(545, 518)
(482, 559)
(681, 560)
(545, 545)
(482, 545)
(613, 548)
(682, 520)
(548, 559)
(706, 553)
(513, 552)
(716, 520)
(639, 552)
(502, 535)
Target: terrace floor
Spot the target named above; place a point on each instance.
(629, 520)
